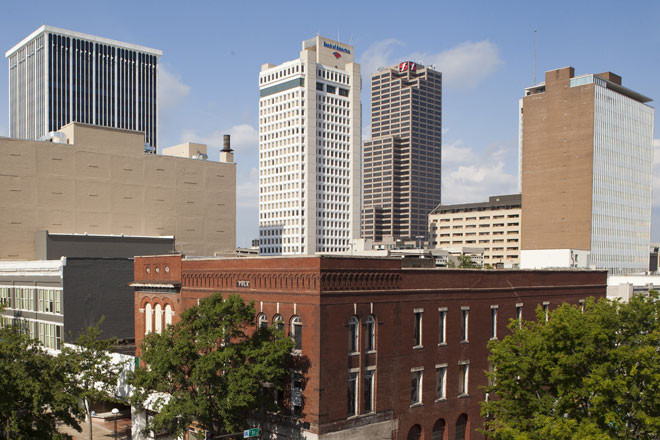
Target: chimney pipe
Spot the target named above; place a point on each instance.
(226, 144)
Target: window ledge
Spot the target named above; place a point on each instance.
(442, 344)
(415, 405)
(443, 399)
(371, 352)
(465, 342)
(355, 353)
(494, 338)
(417, 347)
(461, 396)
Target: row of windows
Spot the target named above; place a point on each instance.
(295, 329)
(49, 335)
(153, 317)
(33, 299)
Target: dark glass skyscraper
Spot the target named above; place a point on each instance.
(58, 76)
(402, 162)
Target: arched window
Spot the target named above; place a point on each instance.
(278, 322)
(158, 311)
(147, 319)
(168, 315)
(353, 325)
(461, 427)
(438, 430)
(370, 333)
(296, 332)
(262, 320)
(415, 433)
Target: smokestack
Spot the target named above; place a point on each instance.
(226, 144)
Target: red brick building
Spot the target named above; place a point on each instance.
(394, 352)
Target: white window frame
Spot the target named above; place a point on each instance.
(441, 373)
(493, 321)
(417, 374)
(465, 324)
(418, 326)
(442, 325)
(463, 378)
(353, 335)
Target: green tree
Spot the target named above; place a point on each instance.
(592, 374)
(90, 364)
(35, 389)
(206, 368)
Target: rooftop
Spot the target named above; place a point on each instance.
(55, 30)
(505, 201)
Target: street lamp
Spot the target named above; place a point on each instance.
(115, 411)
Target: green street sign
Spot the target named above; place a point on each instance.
(252, 432)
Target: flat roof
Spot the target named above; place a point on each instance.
(68, 33)
(503, 201)
(78, 234)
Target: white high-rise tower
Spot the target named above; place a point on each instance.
(309, 151)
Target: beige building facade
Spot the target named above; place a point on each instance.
(100, 181)
(586, 164)
(493, 226)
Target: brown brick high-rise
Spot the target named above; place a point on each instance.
(402, 162)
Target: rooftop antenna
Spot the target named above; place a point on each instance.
(534, 68)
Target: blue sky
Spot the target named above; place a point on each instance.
(213, 50)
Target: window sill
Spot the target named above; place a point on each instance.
(442, 344)
(462, 396)
(494, 338)
(443, 399)
(418, 347)
(465, 342)
(355, 353)
(371, 352)
(415, 405)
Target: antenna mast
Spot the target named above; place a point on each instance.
(534, 68)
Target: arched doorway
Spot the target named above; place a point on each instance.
(439, 430)
(461, 427)
(415, 433)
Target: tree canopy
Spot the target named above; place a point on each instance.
(208, 367)
(583, 374)
(96, 374)
(35, 389)
(39, 389)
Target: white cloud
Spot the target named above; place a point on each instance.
(456, 153)
(465, 65)
(247, 189)
(244, 137)
(378, 55)
(470, 177)
(171, 89)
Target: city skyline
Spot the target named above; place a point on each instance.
(485, 54)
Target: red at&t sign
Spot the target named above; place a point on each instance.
(407, 65)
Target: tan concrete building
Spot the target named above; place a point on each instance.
(100, 181)
(586, 148)
(494, 226)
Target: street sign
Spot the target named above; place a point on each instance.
(252, 432)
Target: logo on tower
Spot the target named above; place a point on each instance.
(337, 55)
(407, 65)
